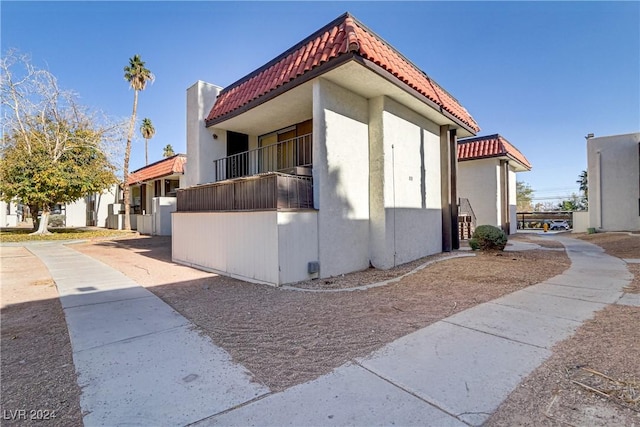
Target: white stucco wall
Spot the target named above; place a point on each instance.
(76, 213)
(614, 171)
(513, 203)
(406, 216)
(264, 247)
(341, 178)
(8, 219)
(479, 181)
(202, 149)
(580, 222)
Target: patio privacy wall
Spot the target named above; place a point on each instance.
(264, 246)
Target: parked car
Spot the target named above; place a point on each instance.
(559, 224)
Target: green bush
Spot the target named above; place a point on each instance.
(56, 220)
(488, 237)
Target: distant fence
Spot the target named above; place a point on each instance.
(537, 219)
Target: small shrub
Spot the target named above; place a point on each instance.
(591, 230)
(488, 237)
(56, 220)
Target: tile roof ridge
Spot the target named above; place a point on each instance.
(158, 162)
(292, 49)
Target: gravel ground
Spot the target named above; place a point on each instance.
(592, 378)
(286, 337)
(38, 377)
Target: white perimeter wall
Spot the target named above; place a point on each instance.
(479, 181)
(76, 213)
(341, 190)
(406, 216)
(613, 170)
(266, 246)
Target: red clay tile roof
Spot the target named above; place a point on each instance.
(489, 146)
(169, 166)
(342, 36)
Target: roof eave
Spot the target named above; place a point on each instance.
(328, 66)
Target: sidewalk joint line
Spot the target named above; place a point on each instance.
(233, 408)
(133, 337)
(104, 302)
(494, 335)
(410, 392)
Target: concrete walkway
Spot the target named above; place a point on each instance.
(141, 363)
(138, 361)
(457, 371)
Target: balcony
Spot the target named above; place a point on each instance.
(292, 156)
(268, 191)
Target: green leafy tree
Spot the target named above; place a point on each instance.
(524, 196)
(147, 130)
(573, 203)
(138, 76)
(168, 151)
(53, 150)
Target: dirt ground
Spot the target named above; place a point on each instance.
(38, 376)
(287, 337)
(592, 378)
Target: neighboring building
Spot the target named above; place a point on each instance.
(153, 194)
(487, 178)
(614, 182)
(10, 214)
(336, 155)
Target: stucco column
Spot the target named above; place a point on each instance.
(445, 187)
(453, 157)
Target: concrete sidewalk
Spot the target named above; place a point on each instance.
(138, 361)
(141, 363)
(457, 371)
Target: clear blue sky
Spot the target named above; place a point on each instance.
(542, 74)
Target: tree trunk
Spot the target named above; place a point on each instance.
(146, 155)
(127, 154)
(44, 221)
(33, 211)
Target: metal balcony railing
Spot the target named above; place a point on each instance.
(284, 157)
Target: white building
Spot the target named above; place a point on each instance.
(334, 156)
(614, 182)
(487, 177)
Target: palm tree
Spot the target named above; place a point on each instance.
(137, 76)
(168, 151)
(584, 183)
(584, 188)
(147, 130)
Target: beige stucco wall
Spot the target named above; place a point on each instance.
(406, 216)
(478, 181)
(341, 178)
(264, 247)
(614, 171)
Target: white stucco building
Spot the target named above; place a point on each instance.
(337, 155)
(614, 182)
(487, 177)
(153, 197)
